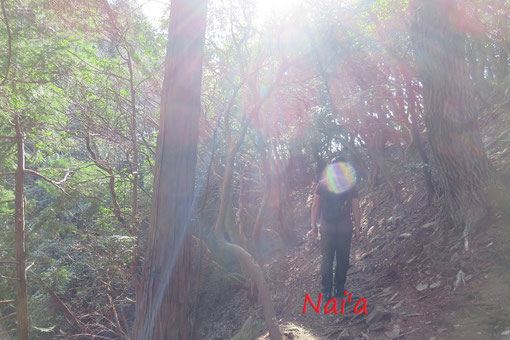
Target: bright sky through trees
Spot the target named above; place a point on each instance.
(155, 9)
(268, 7)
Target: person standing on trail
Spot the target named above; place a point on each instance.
(335, 200)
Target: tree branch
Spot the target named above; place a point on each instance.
(49, 180)
(4, 302)
(7, 316)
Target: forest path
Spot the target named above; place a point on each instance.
(407, 267)
(410, 262)
(392, 307)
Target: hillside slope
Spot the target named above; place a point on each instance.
(409, 265)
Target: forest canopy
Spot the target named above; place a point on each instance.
(149, 147)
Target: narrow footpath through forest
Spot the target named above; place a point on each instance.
(409, 265)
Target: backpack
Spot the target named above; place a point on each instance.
(335, 206)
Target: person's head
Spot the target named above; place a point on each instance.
(339, 175)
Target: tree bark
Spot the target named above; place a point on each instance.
(452, 124)
(162, 309)
(416, 140)
(375, 141)
(19, 199)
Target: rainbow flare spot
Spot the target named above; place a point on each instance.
(340, 177)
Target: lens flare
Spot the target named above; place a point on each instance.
(340, 177)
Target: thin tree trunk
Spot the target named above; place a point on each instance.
(163, 306)
(246, 260)
(241, 212)
(19, 198)
(259, 221)
(452, 124)
(134, 168)
(280, 186)
(63, 307)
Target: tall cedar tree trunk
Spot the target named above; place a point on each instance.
(162, 309)
(452, 124)
(19, 198)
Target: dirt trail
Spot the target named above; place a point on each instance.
(410, 266)
(409, 276)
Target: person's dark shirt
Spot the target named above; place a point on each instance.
(344, 224)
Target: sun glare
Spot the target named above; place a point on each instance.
(269, 8)
(154, 9)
